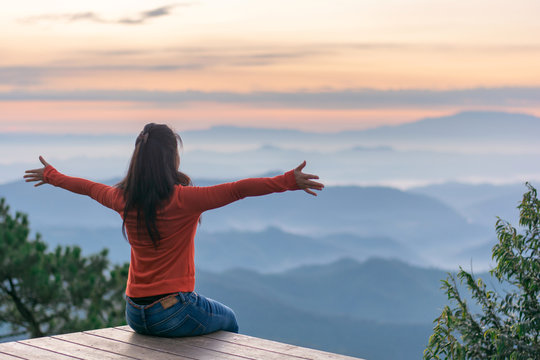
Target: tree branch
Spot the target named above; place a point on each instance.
(35, 331)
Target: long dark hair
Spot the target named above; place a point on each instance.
(152, 175)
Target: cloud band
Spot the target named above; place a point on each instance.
(345, 99)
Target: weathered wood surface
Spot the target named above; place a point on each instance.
(122, 343)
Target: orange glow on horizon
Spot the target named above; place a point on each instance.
(129, 117)
(89, 47)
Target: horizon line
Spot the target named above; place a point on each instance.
(265, 127)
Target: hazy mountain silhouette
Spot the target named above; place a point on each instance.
(479, 203)
(464, 147)
(376, 289)
(262, 315)
(270, 250)
(469, 124)
(418, 221)
(346, 307)
(475, 125)
(274, 250)
(464, 125)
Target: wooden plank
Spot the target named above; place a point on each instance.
(26, 351)
(119, 347)
(285, 350)
(175, 346)
(122, 343)
(5, 356)
(243, 350)
(282, 348)
(74, 350)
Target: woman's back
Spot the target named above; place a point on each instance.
(160, 212)
(167, 265)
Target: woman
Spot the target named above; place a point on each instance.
(160, 212)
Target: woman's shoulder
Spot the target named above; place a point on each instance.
(177, 193)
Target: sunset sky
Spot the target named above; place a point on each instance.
(111, 66)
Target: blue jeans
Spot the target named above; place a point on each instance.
(180, 314)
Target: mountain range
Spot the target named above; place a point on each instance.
(466, 147)
(341, 220)
(347, 307)
(441, 225)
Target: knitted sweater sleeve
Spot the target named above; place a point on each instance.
(200, 199)
(104, 194)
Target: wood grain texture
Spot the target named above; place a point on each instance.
(5, 356)
(122, 343)
(282, 348)
(27, 351)
(74, 350)
(172, 346)
(119, 347)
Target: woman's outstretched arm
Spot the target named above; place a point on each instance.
(104, 194)
(200, 199)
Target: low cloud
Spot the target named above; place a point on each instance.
(232, 56)
(196, 58)
(344, 99)
(34, 75)
(190, 60)
(138, 19)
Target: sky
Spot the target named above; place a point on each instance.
(112, 66)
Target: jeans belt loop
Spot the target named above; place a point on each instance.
(182, 297)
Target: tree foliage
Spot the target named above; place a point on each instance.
(50, 292)
(508, 325)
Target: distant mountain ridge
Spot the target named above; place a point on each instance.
(346, 306)
(417, 220)
(463, 124)
(437, 224)
(486, 126)
(360, 221)
(481, 203)
(383, 290)
(464, 147)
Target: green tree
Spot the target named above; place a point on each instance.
(508, 325)
(44, 293)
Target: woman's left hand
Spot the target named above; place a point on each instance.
(36, 174)
(304, 181)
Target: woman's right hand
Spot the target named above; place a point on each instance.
(36, 174)
(304, 181)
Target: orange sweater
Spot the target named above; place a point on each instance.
(170, 267)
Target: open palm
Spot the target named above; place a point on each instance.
(304, 181)
(36, 174)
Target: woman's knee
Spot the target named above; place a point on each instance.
(234, 325)
(220, 316)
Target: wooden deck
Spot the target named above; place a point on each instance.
(122, 343)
